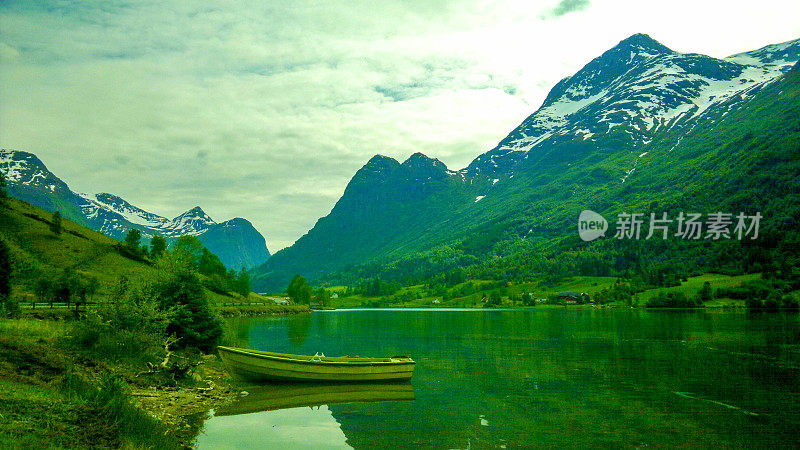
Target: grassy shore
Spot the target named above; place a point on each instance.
(422, 298)
(261, 310)
(54, 394)
(53, 398)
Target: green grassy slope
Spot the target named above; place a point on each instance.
(37, 252)
(692, 285)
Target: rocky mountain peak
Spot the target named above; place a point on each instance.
(195, 212)
(378, 168)
(642, 44)
(606, 68)
(423, 165)
(236, 242)
(193, 221)
(380, 163)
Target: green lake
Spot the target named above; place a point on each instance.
(578, 377)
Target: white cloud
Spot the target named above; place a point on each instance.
(265, 110)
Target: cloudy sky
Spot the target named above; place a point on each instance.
(265, 109)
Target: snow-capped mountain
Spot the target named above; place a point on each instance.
(117, 216)
(629, 112)
(634, 91)
(235, 241)
(193, 222)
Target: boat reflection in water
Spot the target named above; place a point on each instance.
(282, 396)
(292, 415)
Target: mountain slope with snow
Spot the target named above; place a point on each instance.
(236, 241)
(636, 90)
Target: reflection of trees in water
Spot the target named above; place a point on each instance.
(236, 332)
(297, 328)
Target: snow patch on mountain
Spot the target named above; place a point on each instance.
(25, 169)
(12, 168)
(118, 206)
(118, 214)
(555, 115)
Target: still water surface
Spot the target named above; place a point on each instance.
(529, 378)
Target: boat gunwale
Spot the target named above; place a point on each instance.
(322, 361)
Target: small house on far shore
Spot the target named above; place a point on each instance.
(573, 298)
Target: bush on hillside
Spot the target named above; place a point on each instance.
(145, 311)
(131, 327)
(193, 322)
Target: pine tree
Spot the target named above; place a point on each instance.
(190, 247)
(157, 245)
(132, 240)
(5, 272)
(705, 292)
(299, 290)
(193, 321)
(210, 264)
(322, 297)
(3, 193)
(55, 225)
(243, 283)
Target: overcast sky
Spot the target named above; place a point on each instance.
(264, 110)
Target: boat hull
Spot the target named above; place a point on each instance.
(265, 366)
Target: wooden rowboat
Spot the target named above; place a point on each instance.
(255, 365)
